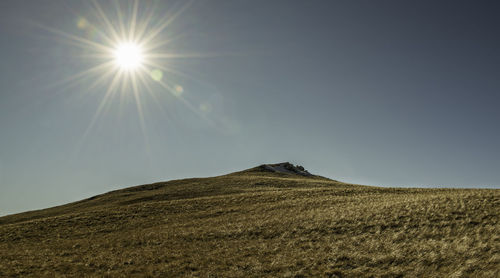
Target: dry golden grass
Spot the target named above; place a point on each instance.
(255, 224)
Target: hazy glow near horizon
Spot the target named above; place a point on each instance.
(128, 56)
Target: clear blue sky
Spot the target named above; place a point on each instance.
(391, 93)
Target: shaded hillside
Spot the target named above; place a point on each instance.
(259, 222)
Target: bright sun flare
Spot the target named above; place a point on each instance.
(128, 56)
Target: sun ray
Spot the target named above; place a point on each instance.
(163, 111)
(79, 75)
(154, 45)
(150, 91)
(119, 14)
(91, 86)
(91, 25)
(144, 26)
(172, 70)
(182, 56)
(140, 113)
(171, 90)
(108, 23)
(107, 95)
(123, 94)
(74, 38)
(133, 21)
(167, 20)
(99, 80)
(98, 112)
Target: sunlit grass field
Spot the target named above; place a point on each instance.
(259, 224)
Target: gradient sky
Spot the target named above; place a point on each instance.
(391, 93)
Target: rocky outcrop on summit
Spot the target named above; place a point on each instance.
(286, 168)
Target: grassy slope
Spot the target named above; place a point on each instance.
(258, 224)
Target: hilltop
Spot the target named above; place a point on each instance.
(270, 220)
(285, 168)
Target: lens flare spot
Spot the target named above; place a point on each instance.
(178, 90)
(156, 75)
(206, 107)
(82, 23)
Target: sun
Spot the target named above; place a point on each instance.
(128, 56)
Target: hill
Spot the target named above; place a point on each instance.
(271, 220)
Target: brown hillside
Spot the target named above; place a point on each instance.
(259, 223)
